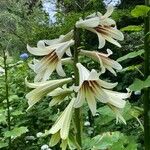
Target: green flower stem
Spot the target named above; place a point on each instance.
(146, 74)
(77, 115)
(7, 96)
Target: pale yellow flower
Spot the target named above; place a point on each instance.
(104, 60)
(41, 89)
(103, 26)
(51, 60)
(62, 124)
(92, 88)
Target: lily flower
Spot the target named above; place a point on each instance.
(61, 39)
(41, 89)
(59, 95)
(103, 26)
(62, 124)
(102, 58)
(51, 60)
(92, 88)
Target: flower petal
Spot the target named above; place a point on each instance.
(91, 101)
(67, 120)
(110, 10)
(80, 98)
(60, 70)
(83, 73)
(39, 51)
(105, 84)
(43, 89)
(88, 23)
(111, 40)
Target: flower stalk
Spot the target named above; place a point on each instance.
(7, 96)
(77, 115)
(146, 74)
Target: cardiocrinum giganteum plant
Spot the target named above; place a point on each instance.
(89, 87)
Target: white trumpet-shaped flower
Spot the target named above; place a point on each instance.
(103, 26)
(51, 60)
(62, 124)
(41, 89)
(102, 58)
(61, 39)
(92, 88)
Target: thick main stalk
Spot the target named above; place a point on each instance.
(77, 115)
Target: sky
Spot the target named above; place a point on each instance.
(49, 7)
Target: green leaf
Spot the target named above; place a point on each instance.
(2, 116)
(113, 141)
(131, 55)
(16, 132)
(140, 11)
(139, 84)
(132, 28)
(3, 144)
(17, 113)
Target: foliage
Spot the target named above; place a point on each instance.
(20, 26)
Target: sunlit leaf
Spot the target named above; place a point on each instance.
(138, 84)
(131, 55)
(3, 144)
(140, 11)
(16, 132)
(132, 28)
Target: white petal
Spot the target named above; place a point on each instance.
(101, 41)
(100, 95)
(116, 98)
(114, 33)
(49, 70)
(108, 22)
(83, 73)
(111, 70)
(52, 42)
(105, 84)
(93, 75)
(62, 49)
(43, 89)
(60, 70)
(111, 40)
(88, 23)
(67, 120)
(110, 10)
(80, 98)
(39, 51)
(68, 52)
(41, 44)
(91, 102)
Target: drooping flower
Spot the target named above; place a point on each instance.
(102, 58)
(103, 26)
(92, 88)
(41, 89)
(51, 60)
(61, 39)
(62, 124)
